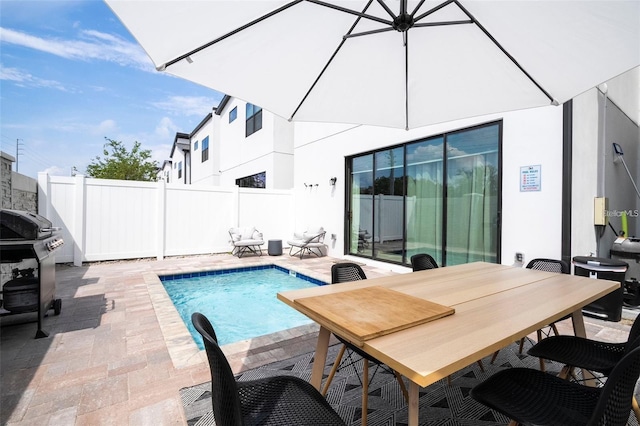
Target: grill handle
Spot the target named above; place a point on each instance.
(52, 229)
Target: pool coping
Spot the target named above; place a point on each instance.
(182, 349)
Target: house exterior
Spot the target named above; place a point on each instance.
(504, 188)
(237, 144)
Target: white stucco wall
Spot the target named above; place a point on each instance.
(208, 172)
(530, 221)
(267, 150)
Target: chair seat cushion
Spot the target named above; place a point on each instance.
(284, 400)
(532, 397)
(576, 352)
(245, 243)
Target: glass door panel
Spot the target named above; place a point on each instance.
(388, 205)
(423, 203)
(472, 196)
(361, 213)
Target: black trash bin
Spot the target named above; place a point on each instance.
(628, 250)
(609, 307)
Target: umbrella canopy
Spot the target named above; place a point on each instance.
(394, 63)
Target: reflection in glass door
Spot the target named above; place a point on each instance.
(361, 206)
(388, 205)
(439, 196)
(472, 196)
(424, 201)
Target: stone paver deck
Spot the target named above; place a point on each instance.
(118, 353)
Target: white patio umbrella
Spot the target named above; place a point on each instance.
(392, 63)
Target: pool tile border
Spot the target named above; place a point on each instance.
(182, 349)
(196, 274)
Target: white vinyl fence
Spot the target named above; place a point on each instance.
(111, 219)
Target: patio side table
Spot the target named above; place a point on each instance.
(275, 248)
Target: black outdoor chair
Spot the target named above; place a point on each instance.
(533, 397)
(422, 262)
(547, 265)
(592, 355)
(341, 273)
(277, 401)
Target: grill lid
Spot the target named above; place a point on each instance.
(23, 225)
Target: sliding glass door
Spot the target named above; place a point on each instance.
(439, 195)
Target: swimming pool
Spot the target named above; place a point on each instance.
(240, 303)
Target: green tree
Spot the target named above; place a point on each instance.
(119, 163)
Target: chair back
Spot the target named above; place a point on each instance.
(614, 404)
(224, 391)
(633, 341)
(422, 262)
(345, 272)
(550, 265)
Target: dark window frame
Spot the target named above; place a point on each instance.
(205, 149)
(254, 119)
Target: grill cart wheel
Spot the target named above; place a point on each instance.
(57, 306)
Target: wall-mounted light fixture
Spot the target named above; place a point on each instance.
(332, 181)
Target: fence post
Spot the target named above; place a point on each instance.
(161, 219)
(79, 219)
(44, 198)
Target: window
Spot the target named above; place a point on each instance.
(180, 170)
(254, 119)
(259, 180)
(438, 195)
(233, 114)
(205, 149)
(195, 146)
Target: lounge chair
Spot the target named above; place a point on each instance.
(245, 240)
(309, 242)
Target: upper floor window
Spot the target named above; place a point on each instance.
(259, 180)
(205, 149)
(233, 114)
(254, 119)
(180, 170)
(195, 146)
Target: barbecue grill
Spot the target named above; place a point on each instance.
(28, 243)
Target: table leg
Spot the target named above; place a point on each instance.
(578, 324)
(580, 331)
(413, 404)
(320, 358)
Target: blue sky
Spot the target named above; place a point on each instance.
(71, 75)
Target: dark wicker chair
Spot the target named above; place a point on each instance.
(547, 265)
(422, 262)
(341, 273)
(277, 401)
(593, 355)
(532, 397)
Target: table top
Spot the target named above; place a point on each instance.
(495, 305)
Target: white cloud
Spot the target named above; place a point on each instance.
(187, 105)
(57, 171)
(25, 79)
(160, 152)
(166, 129)
(106, 127)
(92, 45)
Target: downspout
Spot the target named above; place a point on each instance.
(602, 152)
(567, 153)
(187, 165)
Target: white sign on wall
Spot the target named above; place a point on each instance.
(530, 178)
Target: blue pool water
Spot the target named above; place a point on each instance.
(241, 303)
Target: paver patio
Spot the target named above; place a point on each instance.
(117, 355)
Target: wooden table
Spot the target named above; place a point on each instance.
(495, 305)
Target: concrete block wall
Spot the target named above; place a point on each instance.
(19, 192)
